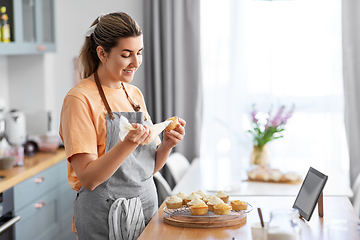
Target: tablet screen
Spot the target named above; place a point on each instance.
(310, 192)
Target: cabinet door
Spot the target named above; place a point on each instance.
(40, 220)
(35, 186)
(32, 29)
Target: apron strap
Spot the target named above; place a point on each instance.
(135, 106)
(102, 95)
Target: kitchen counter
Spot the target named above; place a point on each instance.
(32, 166)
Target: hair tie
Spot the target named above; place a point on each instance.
(92, 28)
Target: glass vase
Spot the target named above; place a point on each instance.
(259, 156)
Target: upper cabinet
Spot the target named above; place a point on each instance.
(32, 27)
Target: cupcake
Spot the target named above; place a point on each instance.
(173, 124)
(194, 202)
(173, 202)
(201, 194)
(222, 209)
(199, 209)
(182, 196)
(207, 198)
(213, 201)
(223, 196)
(192, 196)
(238, 205)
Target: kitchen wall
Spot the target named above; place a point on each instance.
(38, 83)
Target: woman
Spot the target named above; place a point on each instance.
(101, 168)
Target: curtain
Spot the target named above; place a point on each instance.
(351, 70)
(173, 70)
(272, 53)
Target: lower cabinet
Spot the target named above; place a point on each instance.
(45, 204)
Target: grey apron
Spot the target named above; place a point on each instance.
(133, 179)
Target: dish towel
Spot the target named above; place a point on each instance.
(126, 219)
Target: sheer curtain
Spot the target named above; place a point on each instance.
(272, 53)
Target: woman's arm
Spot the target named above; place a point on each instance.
(92, 171)
(170, 140)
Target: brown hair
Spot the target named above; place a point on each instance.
(108, 30)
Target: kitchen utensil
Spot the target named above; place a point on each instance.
(261, 217)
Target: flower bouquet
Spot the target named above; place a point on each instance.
(266, 127)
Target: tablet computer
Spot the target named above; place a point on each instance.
(309, 193)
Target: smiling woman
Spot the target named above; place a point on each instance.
(273, 53)
(113, 177)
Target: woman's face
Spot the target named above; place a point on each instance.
(124, 59)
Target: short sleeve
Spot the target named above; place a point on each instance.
(77, 128)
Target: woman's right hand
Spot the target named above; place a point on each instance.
(141, 135)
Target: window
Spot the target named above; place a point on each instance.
(272, 53)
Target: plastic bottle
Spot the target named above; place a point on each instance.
(5, 27)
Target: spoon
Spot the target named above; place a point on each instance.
(261, 217)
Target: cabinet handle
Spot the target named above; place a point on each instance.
(39, 205)
(41, 48)
(39, 180)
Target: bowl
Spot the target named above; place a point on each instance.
(7, 162)
(47, 143)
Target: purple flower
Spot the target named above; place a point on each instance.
(277, 120)
(253, 115)
(267, 127)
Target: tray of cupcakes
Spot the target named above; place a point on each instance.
(205, 211)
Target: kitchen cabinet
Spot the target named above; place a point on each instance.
(45, 204)
(32, 27)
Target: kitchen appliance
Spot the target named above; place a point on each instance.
(15, 127)
(15, 132)
(7, 218)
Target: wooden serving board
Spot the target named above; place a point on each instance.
(207, 221)
(272, 181)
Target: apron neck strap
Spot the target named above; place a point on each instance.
(102, 95)
(135, 106)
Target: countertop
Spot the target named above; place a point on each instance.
(32, 166)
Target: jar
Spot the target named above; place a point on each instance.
(284, 224)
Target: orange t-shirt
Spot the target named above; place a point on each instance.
(83, 123)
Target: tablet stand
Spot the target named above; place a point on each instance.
(321, 205)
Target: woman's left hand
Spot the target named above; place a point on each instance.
(173, 137)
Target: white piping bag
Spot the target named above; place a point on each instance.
(126, 127)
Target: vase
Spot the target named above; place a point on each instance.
(259, 156)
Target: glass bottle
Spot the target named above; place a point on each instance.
(5, 27)
(284, 224)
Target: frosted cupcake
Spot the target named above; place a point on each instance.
(194, 202)
(223, 196)
(201, 194)
(207, 198)
(213, 201)
(182, 196)
(192, 196)
(173, 202)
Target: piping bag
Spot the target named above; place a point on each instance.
(126, 127)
